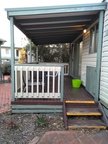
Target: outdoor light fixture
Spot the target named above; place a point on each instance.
(85, 30)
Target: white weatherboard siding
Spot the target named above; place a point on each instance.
(87, 59)
(104, 63)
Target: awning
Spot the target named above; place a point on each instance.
(58, 24)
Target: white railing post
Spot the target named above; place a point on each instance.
(48, 82)
(62, 83)
(53, 82)
(43, 77)
(37, 81)
(27, 81)
(21, 81)
(32, 86)
(16, 84)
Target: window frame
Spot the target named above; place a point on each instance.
(93, 39)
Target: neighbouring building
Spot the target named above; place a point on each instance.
(6, 53)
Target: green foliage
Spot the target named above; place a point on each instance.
(41, 121)
(33, 47)
(54, 53)
(6, 68)
(51, 53)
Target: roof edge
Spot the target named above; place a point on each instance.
(11, 12)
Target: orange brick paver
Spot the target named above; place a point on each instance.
(5, 97)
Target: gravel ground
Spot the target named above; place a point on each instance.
(22, 128)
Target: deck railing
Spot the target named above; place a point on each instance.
(38, 81)
(66, 69)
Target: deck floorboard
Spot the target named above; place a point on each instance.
(75, 94)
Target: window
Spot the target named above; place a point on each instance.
(17, 53)
(93, 39)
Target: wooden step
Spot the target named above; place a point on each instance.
(81, 105)
(83, 112)
(91, 124)
(80, 102)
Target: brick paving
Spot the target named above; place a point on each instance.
(5, 99)
(74, 137)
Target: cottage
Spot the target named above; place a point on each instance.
(40, 87)
(6, 53)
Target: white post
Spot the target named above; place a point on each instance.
(12, 58)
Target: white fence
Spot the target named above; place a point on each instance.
(66, 66)
(38, 81)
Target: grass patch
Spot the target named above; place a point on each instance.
(41, 121)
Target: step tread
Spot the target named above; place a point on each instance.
(86, 124)
(80, 101)
(83, 111)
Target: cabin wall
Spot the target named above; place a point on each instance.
(86, 59)
(104, 64)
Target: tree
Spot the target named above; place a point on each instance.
(51, 53)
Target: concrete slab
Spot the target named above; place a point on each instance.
(74, 137)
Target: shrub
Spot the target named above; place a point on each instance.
(6, 68)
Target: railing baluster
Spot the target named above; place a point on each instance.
(27, 81)
(58, 81)
(16, 86)
(62, 83)
(32, 86)
(48, 82)
(37, 82)
(21, 75)
(43, 77)
(53, 82)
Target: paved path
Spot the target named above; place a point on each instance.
(73, 137)
(5, 98)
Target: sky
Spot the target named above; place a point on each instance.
(19, 37)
